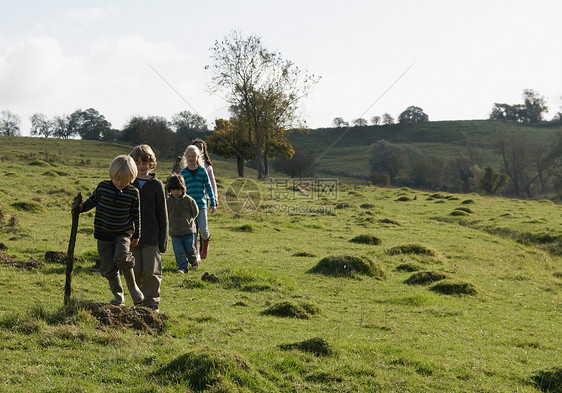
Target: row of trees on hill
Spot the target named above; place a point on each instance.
(262, 88)
(532, 110)
(411, 115)
(527, 169)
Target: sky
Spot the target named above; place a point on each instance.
(452, 58)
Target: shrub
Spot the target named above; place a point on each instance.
(348, 265)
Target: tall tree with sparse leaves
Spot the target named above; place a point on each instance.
(263, 88)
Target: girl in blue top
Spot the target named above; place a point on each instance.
(197, 183)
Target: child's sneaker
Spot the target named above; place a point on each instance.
(195, 264)
(181, 271)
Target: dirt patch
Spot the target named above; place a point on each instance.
(210, 278)
(317, 346)
(8, 261)
(60, 257)
(138, 318)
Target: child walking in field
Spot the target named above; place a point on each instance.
(198, 186)
(208, 165)
(154, 218)
(117, 226)
(182, 213)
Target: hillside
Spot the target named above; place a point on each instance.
(357, 289)
(346, 150)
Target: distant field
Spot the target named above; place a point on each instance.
(347, 149)
(352, 289)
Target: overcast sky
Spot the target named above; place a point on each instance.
(452, 58)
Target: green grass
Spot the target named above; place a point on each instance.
(488, 320)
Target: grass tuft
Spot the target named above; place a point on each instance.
(317, 346)
(409, 267)
(304, 254)
(426, 277)
(464, 209)
(467, 202)
(458, 213)
(453, 287)
(244, 228)
(549, 380)
(389, 221)
(366, 239)
(366, 206)
(212, 371)
(348, 265)
(403, 199)
(412, 248)
(39, 163)
(293, 310)
(32, 207)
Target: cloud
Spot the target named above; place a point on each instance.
(82, 18)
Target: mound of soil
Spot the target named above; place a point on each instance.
(138, 318)
(60, 257)
(8, 261)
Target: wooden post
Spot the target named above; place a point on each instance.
(70, 253)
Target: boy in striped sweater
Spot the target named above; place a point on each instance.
(117, 226)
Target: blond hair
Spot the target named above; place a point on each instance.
(123, 169)
(144, 153)
(196, 150)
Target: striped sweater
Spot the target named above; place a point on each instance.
(197, 185)
(117, 211)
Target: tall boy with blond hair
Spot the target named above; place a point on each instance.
(117, 226)
(154, 218)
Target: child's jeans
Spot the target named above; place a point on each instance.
(184, 250)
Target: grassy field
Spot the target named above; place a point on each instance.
(363, 290)
(346, 150)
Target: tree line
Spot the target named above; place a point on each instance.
(527, 169)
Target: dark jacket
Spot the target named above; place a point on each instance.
(154, 215)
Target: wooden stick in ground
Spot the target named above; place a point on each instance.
(70, 253)
(177, 165)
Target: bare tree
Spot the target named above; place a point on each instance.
(10, 124)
